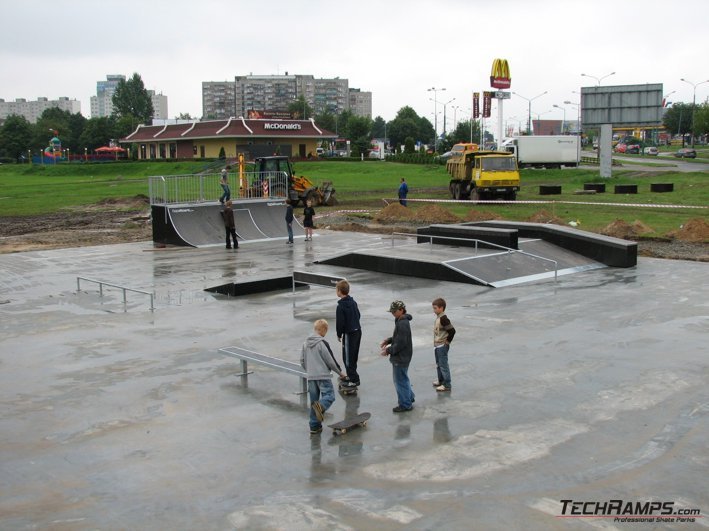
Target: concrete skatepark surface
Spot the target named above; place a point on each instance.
(591, 388)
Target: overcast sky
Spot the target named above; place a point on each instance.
(395, 49)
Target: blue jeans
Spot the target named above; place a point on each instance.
(323, 391)
(289, 226)
(444, 373)
(226, 195)
(404, 392)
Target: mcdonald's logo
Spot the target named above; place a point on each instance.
(500, 75)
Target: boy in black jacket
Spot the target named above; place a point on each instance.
(349, 332)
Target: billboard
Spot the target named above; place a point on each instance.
(622, 105)
(500, 77)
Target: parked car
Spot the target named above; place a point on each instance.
(633, 148)
(650, 151)
(686, 153)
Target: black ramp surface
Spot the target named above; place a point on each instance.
(200, 225)
(245, 226)
(270, 218)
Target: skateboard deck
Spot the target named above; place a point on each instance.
(342, 427)
(347, 390)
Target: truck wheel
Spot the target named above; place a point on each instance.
(456, 191)
(451, 189)
(475, 195)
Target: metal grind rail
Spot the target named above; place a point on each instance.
(506, 250)
(125, 289)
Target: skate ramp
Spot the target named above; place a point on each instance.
(201, 225)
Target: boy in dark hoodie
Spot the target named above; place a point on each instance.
(317, 360)
(349, 332)
(399, 348)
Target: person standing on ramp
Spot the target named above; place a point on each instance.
(229, 225)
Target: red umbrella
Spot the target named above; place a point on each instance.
(110, 149)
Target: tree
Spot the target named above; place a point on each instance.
(15, 137)
(98, 132)
(379, 128)
(300, 108)
(701, 119)
(132, 99)
(326, 120)
(678, 119)
(183, 116)
(462, 132)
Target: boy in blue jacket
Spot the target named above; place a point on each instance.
(349, 332)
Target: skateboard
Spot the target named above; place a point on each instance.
(347, 390)
(342, 427)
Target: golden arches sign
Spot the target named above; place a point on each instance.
(500, 74)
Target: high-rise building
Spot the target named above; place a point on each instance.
(32, 110)
(272, 94)
(159, 105)
(218, 101)
(102, 103)
(360, 103)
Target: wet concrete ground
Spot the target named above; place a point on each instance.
(591, 388)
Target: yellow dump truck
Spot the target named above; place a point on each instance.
(483, 175)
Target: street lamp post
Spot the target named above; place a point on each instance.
(598, 79)
(444, 115)
(694, 100)
(455, 115)
(529, 108)
(578, 114)
(435, 116)
(563, 121)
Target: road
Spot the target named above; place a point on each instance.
(661, 163)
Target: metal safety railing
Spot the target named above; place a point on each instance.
(101, 284)
(508, 250)
(202, 188)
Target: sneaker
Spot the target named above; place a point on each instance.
(399, 409)
(348, 383)
(319, 413)
(228, 246)
(314, 431)
(436, 383)
(442, 388)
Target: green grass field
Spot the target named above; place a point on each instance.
(35, 189)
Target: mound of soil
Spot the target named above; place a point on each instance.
(695, 230)
(543, 216)
(435, 214)
(394, 212)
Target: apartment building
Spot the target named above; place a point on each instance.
(272, 94)
(360, 103)
(32, 110)
(102, 103)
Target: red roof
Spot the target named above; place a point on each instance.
(234, 127)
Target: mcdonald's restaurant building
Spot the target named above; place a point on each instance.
(250, 137)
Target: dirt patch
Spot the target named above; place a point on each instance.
(394, 212)
(110, 221)
(477, 215)
(435, 214)
(627, 231)
(543, 216)
(695, 230)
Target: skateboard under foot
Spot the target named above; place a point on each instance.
(342, 427)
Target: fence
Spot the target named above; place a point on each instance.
(201, 188)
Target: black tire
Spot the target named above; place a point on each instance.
(456, 191)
